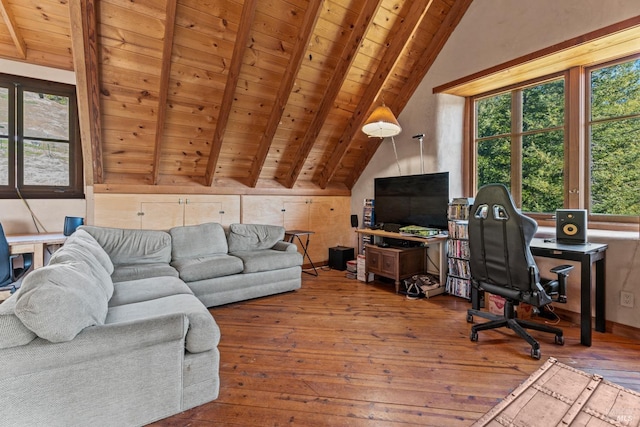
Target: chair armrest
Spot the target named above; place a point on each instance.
(285, 246)
(562, 271)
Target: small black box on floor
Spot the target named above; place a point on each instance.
(339, 256)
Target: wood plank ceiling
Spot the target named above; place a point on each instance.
(231, 93)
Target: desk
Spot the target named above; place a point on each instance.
(587, 254)
(35, 244)
(426, 241)
(293, 234)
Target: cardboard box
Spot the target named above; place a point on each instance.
(496, 306)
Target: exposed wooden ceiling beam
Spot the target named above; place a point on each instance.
(400, 35)
(239, 48)
(165, 74)
(7, 15)
(85, 58)
(333, 88)
(302, 42)
(423, 65)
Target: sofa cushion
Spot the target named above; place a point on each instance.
(58, 301)
(133, 291)
(126, 246)
(198, 240)
(249, 237)
(203, 333)
(75, 252)
(124, 272)
(268, 259)
(207, 267)
(86, 240)
(12, 331)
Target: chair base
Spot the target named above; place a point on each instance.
(518, 326)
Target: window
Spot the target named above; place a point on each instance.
(519, 140)
(40, 153)
(614, 134)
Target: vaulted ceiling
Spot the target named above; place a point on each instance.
(231, 93)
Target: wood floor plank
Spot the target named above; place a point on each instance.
(338, 352)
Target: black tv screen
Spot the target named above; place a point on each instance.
(413, 200)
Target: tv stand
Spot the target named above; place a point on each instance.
(399, 263)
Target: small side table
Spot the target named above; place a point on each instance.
(295, 234)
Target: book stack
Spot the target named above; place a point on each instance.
(352, 269)
(416, 230)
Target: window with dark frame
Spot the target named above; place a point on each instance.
(40, 152)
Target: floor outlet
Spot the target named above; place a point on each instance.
(626, 299)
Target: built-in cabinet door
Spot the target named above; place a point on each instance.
(161, 215)
(116, 210)
(201, 212)
(262, 210)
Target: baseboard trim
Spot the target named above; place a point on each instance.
(610, 326)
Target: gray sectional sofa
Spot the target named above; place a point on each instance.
(116, 330)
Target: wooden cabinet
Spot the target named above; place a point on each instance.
(163, 211)
(327, 216)
(395, 263)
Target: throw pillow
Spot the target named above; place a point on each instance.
(76, 252)
(86, 240)
(58, 301)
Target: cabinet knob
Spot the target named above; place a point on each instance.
(140, 214)
(221, 212)
(179, 201)
(186, 201)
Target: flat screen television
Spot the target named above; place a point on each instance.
(413, 200)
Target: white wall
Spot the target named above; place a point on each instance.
(490, 33)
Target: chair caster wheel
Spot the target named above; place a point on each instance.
(536, 353)
(469, 318)
(474, 336)
(559, 340)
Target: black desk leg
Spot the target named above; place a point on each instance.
(600, 294)
(585, 300)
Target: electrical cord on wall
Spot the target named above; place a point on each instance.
(36, 222)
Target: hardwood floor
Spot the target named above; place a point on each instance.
(339, 352)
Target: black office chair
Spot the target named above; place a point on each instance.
(502, 264)
(9, 274)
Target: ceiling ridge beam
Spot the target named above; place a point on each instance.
(365, 18)
(422, 66)
(18, 41)
(163, 91)
(239, 48)
(84, 45)
(284, 91)
(401, 33)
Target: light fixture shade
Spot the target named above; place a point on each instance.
(381, 123)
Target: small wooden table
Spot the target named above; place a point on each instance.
(34, 243)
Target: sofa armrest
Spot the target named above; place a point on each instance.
(285, 246)
(93, 343)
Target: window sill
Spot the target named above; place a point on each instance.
(593, 234)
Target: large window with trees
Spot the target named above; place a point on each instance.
(614, 136)
(521, 139)
(520, 143)
(40, 153)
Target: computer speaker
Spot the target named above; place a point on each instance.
(571, 226)
(354, 221)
